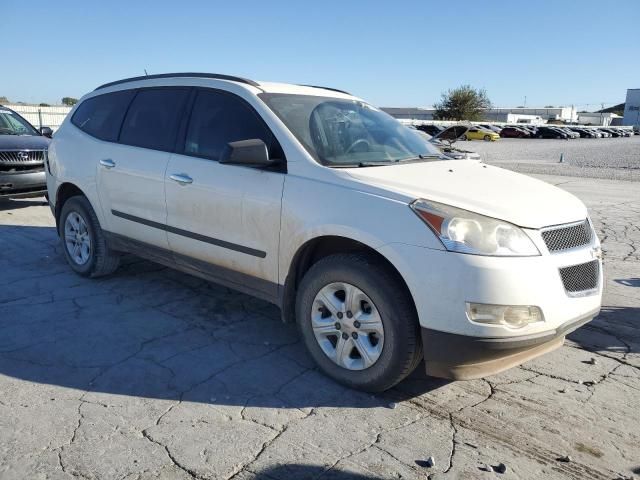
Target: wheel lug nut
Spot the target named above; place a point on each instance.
(338, 326)
(345, 336)
(339, 314)
(356, 324)
(354, 335)
(349, 314)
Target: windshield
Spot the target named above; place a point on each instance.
(342, 132)
(13, 124)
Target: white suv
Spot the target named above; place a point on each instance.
(380, 249)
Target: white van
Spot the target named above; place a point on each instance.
(380, 249)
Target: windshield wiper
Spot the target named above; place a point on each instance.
(418, 157)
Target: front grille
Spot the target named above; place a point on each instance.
(17, 157)
(568, 236)
(582, 277)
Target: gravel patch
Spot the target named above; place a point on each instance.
(611, 158)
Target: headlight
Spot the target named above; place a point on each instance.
(467, 232)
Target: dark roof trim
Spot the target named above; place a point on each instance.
(326, 88)
(183, 75)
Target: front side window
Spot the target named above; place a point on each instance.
(219, 118)
(102, 116)
(153, 118)
(13, 124)
(342, 132)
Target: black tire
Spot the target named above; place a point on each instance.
(402, 348)
(464, 138)
(487, 138)
(102, 260)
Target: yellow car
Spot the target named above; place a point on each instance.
(477, 133)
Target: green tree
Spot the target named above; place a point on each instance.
(462, 103)
(44, 105)
(69, 101)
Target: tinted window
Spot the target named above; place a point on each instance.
(219, 118)
(102, 116)
(153, 118)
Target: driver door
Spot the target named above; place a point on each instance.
(225, 219)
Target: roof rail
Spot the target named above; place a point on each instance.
(326, 88)
(182, 75)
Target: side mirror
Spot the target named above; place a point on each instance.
(251, 153)
(46, 131)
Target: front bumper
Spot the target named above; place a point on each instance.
(459, 357)
(23, 184)
(441, 283)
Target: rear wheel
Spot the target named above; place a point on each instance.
(83, 241)
(358, 322)
(464, 137)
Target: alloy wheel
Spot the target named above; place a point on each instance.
(347, 326)
(77, 239)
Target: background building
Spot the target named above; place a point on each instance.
(597, 118)
(507, 115)
(632, 107)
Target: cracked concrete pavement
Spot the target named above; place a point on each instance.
(154, 374)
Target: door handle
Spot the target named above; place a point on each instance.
(181, 178)
(107, 163)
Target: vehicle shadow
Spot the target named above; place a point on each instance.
(12, 204)
(628, 282)
(614, 330)
(152, 332)
(287, 471)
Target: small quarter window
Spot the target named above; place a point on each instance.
(101, 116)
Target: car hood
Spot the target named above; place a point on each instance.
(480, 188)
(23, 142)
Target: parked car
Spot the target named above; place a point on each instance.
(528, 128)
(550, 132)
(22, 154)
(493, 128)
(603, 133)
(354, 225)
(432, 130)
(611, 131)
(476, 133)
(583, 132)
(570, 133)
(449, 151)
(512, 132)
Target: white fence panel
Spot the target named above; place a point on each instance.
(42, 116)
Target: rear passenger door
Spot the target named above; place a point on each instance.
(225, 219)
(131, 174)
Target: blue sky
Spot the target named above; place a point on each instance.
(402, 53)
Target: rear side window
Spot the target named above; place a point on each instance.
(153, 118)
(102, 116)
(219, 118)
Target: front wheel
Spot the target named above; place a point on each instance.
(358, 322)
(83, 241)
(487, 138)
